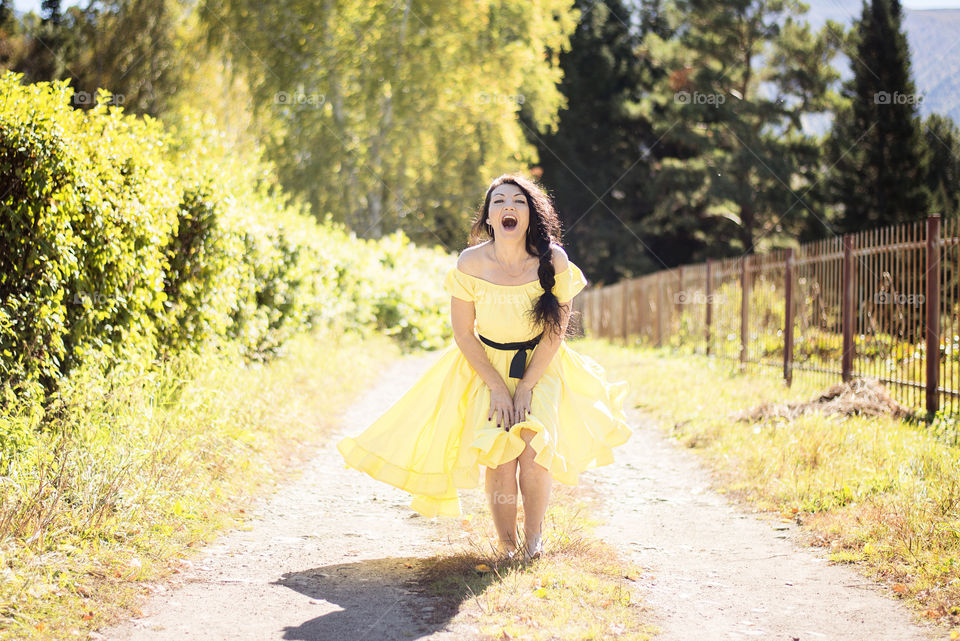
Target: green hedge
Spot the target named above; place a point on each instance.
(125, 239)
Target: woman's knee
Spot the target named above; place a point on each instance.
(528, 464)
(503, 470)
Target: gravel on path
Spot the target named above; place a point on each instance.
(719, 572)
(334, 555)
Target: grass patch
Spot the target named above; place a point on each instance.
(141, 467)
(578, 590)
(879, 493)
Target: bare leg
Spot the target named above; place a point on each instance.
(501, 485)
(535, 483)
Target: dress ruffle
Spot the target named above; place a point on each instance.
(434, 438)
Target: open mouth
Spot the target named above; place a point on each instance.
(509, 221)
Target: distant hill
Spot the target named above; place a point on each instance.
(934, 39)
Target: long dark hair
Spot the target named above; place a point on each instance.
(542, 230)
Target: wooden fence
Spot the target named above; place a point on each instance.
(881, 304)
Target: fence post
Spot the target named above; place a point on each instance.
(744, 309)
(709, 313)
(788, 318)
(626, 310)
(607, 334)
(933, 314)
(659, 309)
(846, 310)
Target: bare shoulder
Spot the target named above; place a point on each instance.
(471, 260)
(559, 258)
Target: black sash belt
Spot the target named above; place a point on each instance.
(519, 362)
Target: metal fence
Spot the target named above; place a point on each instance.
(881, 304)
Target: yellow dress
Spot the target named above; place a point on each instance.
(434, 438)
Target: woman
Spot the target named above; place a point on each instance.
(508, 394)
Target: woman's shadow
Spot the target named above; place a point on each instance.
(387, 598)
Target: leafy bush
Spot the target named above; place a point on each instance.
(128, 240)
(87, 209)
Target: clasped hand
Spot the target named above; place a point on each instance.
(510, 411)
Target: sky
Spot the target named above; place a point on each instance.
(34, 5)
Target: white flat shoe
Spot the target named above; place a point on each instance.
(537, 551)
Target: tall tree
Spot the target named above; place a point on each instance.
(7, 25)
(397, 114)
(876, 148)
(52, 12)
(144, 72)
(594, 163)
(942, 164)
(735, 159)
(47, 48)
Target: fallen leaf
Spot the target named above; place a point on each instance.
(931, 614)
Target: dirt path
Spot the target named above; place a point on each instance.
(722, 573)
(333, 556)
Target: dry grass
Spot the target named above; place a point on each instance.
(858, 397)
(578, 589)
(878, 492)
(142, 467)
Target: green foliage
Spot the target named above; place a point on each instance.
(734, 156)
(88, 207)
(946, 428)
(602, 78)
(199, 256)
(367, 122)
(942, 164)
(128, 242)
(136, 469)
(875, 151)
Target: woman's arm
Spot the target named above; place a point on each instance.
(463, 314)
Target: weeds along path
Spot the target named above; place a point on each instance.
(334, 555)
(719, 572)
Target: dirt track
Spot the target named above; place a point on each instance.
(333, 555)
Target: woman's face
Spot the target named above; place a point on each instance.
(509, 212)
